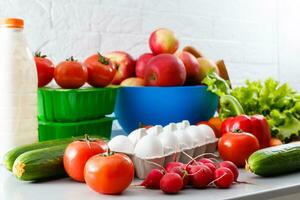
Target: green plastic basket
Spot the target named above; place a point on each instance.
(72, 105)
(55, 130)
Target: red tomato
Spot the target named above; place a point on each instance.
(78, 152)
(70, 74)
(101, 70)
(237, 147)
(45, 69)
(109, 174)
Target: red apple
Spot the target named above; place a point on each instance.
(206, 65)
(133, 81)
(165, 70)
(192, 68)
(124, 63)
(141, 64)
(163, 41)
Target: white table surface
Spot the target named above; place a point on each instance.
(66, 189)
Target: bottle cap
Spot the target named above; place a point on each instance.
(12, 22)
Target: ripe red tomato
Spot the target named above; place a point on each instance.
(78, 152)
(45, 69)
(70, 74)
(109, 174)
(237, 147)
(101, 70)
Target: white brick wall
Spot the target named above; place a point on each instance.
(257, 38)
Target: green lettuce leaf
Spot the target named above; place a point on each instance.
(279, 103)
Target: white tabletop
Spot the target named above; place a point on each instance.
(66, 189)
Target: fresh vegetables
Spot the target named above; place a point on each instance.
(237, 147)
(199, 173)
(153, 179)
(78, 152)
(11, 156)
(256, 125)
(223, 177)
(101, 70)
(171, 183)
(40, 164)
(230, 165)
(45, 69)
(109, 173)
(70, 74)
(201, 176)
(276, 160)
(280, 104)
(182, 173)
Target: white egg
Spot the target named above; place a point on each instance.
(184, 139)
(121, 144)
(183, 125)
(196, 134)
(136, 135)
(149, 147)
(170, 127)
(208, 132)
(169, 141)
(155, 130)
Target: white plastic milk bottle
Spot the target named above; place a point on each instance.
(18, 88)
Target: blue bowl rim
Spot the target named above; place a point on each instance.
(167, 87)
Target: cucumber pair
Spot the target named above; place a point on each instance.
(38, 161)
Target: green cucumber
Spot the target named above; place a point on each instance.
(276, 160)
(40, 164)
(11, 156)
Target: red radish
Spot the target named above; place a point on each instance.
(153, 178)
(211, 166)
(201, 175)
(171, 183)
(171, 165)
(206, 160)
(181, 172)
(223, 177)
(230, 165)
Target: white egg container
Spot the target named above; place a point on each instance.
(159, 145)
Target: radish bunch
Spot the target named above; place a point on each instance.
(199, 173)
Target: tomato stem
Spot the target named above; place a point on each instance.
(39, 54)
(71, 59)
(103, 60)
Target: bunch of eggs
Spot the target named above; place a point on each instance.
(159, 145)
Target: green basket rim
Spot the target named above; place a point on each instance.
(84, 89)
(104, 119)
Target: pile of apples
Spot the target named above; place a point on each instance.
(165, 66)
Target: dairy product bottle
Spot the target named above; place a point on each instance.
(18, 87)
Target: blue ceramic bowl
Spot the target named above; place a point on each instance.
(162, 105)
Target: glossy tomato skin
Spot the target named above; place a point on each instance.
(70, 74)
(77, 154)
(45, 70)
(101, 70)
(110, 174)
(237, 147)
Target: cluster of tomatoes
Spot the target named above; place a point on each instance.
(96, 70)
(199, 174)
(91, 162)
